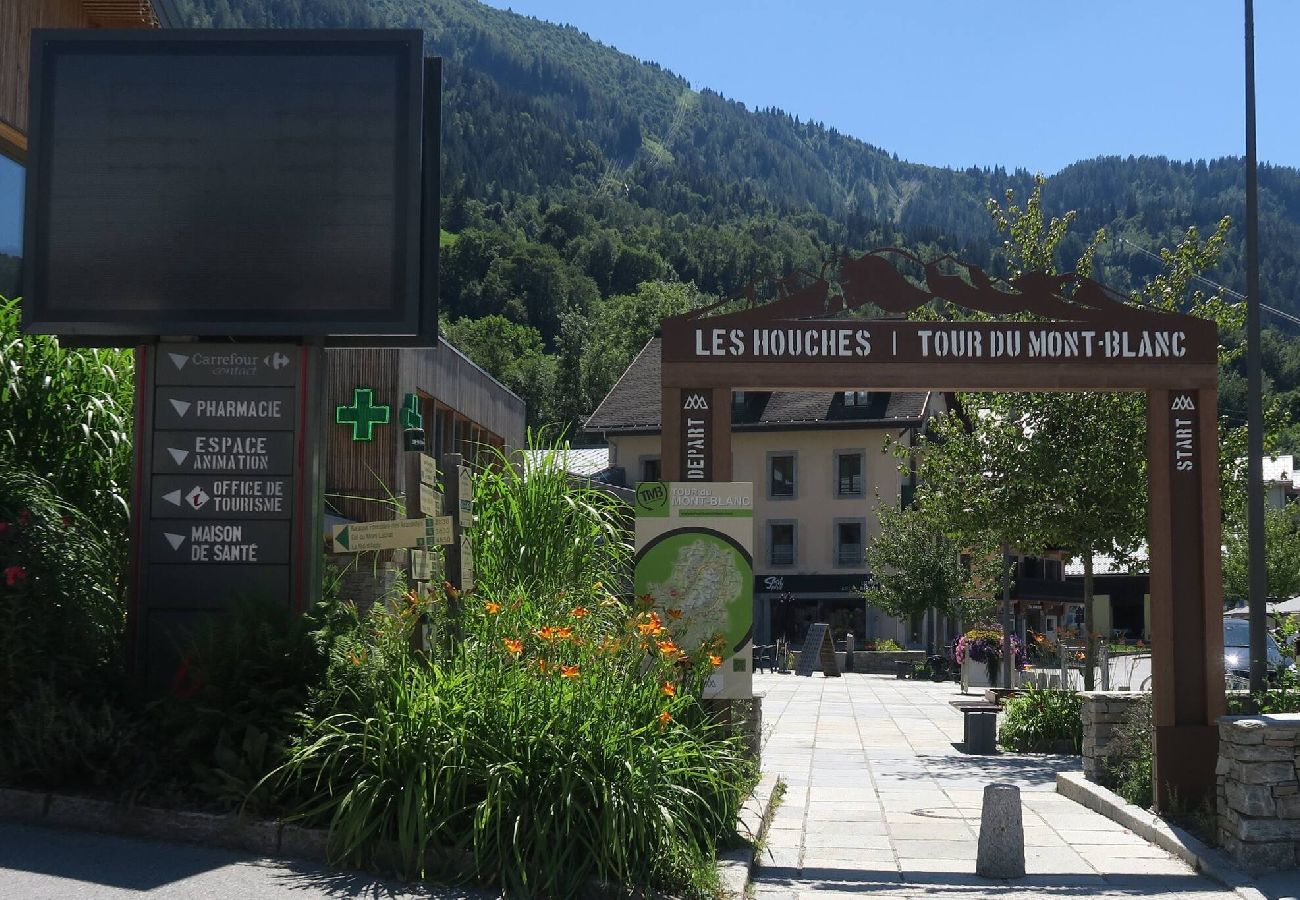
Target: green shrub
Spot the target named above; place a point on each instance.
(58, 740)
(559, 742)
(888, 644)
(62, 612)
(1037, 720)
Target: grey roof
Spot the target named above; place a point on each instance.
(633, 404)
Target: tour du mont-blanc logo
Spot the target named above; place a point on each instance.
(1182, 403)
(695, 402)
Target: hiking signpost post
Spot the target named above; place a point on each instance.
(1083, 337)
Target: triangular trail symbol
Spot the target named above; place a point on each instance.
(173, 497)
(179, 359)
(342, 539)
(179, 455)
(174, 539)
(181, 406)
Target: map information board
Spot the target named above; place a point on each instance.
(694, 554)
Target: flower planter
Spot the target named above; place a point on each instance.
(976, 675)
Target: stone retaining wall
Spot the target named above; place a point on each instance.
(1259, 791)
(1103, 711)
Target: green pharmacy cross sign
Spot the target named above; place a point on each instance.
(410, 416)
(363, 415)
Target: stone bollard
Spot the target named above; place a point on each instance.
(1002, 834)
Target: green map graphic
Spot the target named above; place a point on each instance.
(705, 576)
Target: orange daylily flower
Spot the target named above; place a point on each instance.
(715, 660)
(645, 600)
(667, 647)
(674, 614)
(579, 612)
(564, 633)
(668, 689)
(652, 626)
(546, 633)
(514, 646)
(569, 671)
(492, 608)
(664, 718)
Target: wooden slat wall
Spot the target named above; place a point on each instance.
(17, 19)
(462, 407)
(362, 468)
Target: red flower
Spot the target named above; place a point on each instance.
(15, 575)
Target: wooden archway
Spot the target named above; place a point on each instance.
(1082, 337)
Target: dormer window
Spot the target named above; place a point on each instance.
(856, 398)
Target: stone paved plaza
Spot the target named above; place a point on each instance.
(880, 803)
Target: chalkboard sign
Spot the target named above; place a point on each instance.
(816, 647)
(229, 183)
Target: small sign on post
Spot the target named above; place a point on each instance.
(460, 499)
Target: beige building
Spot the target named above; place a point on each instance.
(820, 472)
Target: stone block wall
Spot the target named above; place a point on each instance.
(1259, 791)
(1103, 712)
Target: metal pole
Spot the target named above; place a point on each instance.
(1007, 623)
(1255, 417)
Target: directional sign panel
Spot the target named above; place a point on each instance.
(221, 542)
(224, 452)
(430, 501)
(396, 534)
(466, 512)
(187, 407)
(428, 470)
(221, 497)
(224, 365)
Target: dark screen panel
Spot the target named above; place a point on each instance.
(234, 183)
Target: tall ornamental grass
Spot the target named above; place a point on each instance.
(66, 416)
(559, 744)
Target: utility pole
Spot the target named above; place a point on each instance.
(1257, 597)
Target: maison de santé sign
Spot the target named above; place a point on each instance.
(1041, 332)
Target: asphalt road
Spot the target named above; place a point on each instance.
(51, 864)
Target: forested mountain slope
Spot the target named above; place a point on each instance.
(573, 174)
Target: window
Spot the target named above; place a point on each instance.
(780, 543)
(651, 468)
(848, 541)
(781, 476)
(12, 177)
(738, 400)
(856, 398)
(1052, 570)
(848, 473)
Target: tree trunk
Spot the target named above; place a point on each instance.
(1089, 623)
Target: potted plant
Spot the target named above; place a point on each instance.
(979, 653)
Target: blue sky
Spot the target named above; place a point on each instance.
(1019, 83)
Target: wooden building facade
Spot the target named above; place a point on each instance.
(464, 410)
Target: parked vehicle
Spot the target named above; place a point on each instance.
(1236, 651)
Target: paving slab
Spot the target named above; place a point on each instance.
(884, 804)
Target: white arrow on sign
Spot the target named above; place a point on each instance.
(181, 406)
(173, 497)
(179, 359)
(174, 539)
(179, 455)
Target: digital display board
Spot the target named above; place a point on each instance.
(228, 183)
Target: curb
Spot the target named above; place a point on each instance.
(1152, 828)
(736, 867)
(276, 839)
(229, 831)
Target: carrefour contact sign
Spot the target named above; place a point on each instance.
(695, 558)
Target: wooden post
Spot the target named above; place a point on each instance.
(1186, 592)
(422, 563)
